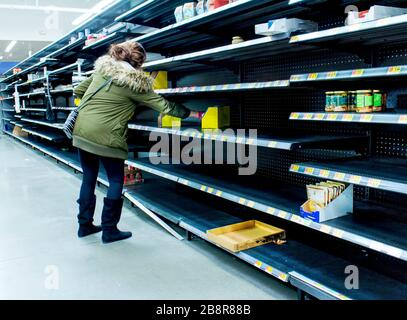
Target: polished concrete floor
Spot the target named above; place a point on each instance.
(41, 258)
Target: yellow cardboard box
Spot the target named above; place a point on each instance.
(167, 121)
(216, 118)
(160, 79)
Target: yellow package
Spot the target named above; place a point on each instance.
(318, 195)
(216, 118)
(160, 79)
(167, 121)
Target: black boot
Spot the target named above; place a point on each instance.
(111, 214)
(85, 218)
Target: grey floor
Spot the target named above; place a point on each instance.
(41, 258)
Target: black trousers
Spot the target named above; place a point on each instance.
(90, 165)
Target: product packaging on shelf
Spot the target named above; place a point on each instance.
(160, 79)
(201, 7)
(132, 176)
(245, 235)
(374, 13)
(189, 10)
(167, 121)
(361, 101)
(178, 13)
(18, 131)
(285, 27)
(327, 200)
(214, 4)
(216, 117)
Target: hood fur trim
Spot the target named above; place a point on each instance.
(136, 79)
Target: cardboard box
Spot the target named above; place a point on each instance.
(340, 206)
(167, 121)
(284, 27)
(374, 13)
(216, 118)
(18, 131)
(246, 235)
(160, 79)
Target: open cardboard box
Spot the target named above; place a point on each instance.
(246, 235)
(339, 207)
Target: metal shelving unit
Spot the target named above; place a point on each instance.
(282, 201)
(252, 70)
(373, 172)
(281, 140)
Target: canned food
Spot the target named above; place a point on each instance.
(341, 98)
(329, 104)
(364, 101)
(378, 100)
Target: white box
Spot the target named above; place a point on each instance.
(285, 27)
(374, 13)
(340, 206)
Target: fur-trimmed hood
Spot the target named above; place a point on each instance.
(136, 79)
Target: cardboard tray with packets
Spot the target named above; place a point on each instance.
(327, 200)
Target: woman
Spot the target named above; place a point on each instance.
(101, 129)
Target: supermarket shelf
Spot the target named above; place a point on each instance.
(382, 72)
(56, 91)
(283, 201)
(50, 136)
(27, 83)
(265, 46)
(226, 87)
(374, 172)
(116, 36)
(204, 27)
(385, 30)
(280, 140)
(31, 94)
(146, 12)
(18, 116)
(68, 68)
(8, 110)
(290, 262)
(7, 98)
(64, 108)
(44, 123)
(33, 109)
(383, 118)
(279, 261)
(69, 48)
(45, 62)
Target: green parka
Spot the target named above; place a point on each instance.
(102, 124)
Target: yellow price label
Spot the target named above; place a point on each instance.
(250, 204)
(403, 119)
(366, 117)
(269, 270)
(225, 87)
(203, 188)
(258, 264)
(332, 74)
(250, 141)
(394, 70)
(355, 179)
(375, 183)
(271, 210)
(283, 276)
(309, 170)
(210, 190)
(295, 168)
(358, 72)
(312, 76)
(319, 116)
(348, 117)
(338, 233)
(242, 201)
(339, 176)
(325, 229)
(219, 193)
(272, 144)
(308, 116)
(324, 173)
(294, 116)
(332, 117)
(295, 77)
(294, 38)
(282, 214)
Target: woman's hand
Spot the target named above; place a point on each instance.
(197, 115)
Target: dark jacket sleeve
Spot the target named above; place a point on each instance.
(158, 103)
(81, 89)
